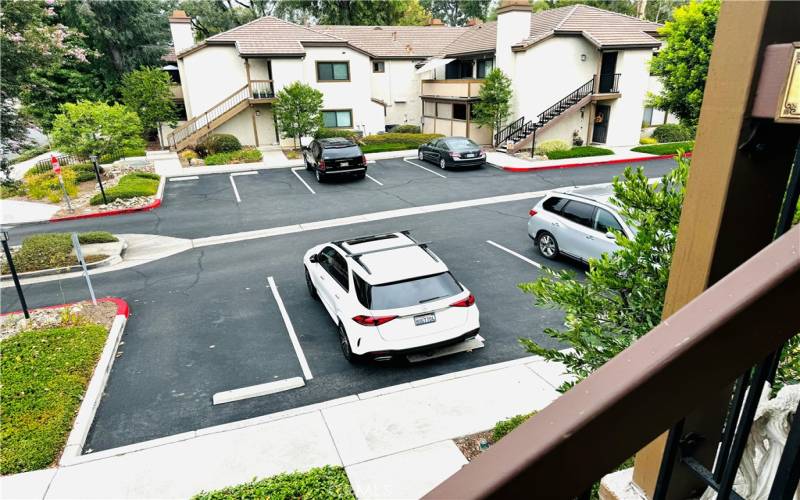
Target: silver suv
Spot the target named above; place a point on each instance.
(577, 222)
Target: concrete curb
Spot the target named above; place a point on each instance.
(108, 261)
(593, 163)
(94, 392)
(154, 204)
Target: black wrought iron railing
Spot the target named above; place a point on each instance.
(64, 160)
(608, 84)
(504, 133)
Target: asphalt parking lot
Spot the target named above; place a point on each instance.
(208, 320)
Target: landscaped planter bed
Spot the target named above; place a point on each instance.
(320, 482)
(52, 253)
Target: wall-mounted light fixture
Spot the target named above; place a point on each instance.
(583, 108)
(583, 57)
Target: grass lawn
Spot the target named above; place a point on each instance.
(51, 250)
(130, 186)
(579, 152)
(319, 483)
(665, 149)
(387, 146)
(45, 373)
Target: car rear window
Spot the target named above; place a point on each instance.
(406, 293)
(554, 204)
(352, 151)
(461, 143)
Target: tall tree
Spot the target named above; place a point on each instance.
(494, 106)
(210, 17)
(86, 128)
(298, 110)
(146, 91)
(414, 14)
(682, 64)
(627, 7)
(457, 12)
(346, 12)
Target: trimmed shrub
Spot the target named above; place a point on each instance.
(51, 250)
(124, 153)
(665, 149)
(241, 156)
(222, 143)
(405, 129)
(84, 172)
(189, 155)
(130, 186)
(327, 133)
(548, 147)
(317, 483)
(503, 427)
(386, 146)
(579, 152)
(413, 140)
(672, 132)
(96, 237)
(11, 189)
(645, 141)
(46, 185)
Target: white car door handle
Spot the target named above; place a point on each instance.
(322, 277)
(335, 295)
(555, 224)
(589, 237)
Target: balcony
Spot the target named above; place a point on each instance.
(177, 91)
(261, 91)
(606, 87)
(458, 89)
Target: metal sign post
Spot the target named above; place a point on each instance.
(57, 170)
(10, 260)
(99, 180)
(77, 246)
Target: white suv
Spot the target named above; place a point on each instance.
(389, 295)
(577, 222)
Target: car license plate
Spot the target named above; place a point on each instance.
(469, 155)
(424, 319)
(344, 164)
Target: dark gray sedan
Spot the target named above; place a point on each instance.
(452, 152)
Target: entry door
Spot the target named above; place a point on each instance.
(601, 116)
(607, 69)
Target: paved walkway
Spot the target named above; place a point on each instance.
(395, 442)
(19, 169)
(20, 212)
(506, 160)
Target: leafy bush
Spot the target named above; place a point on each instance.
(241, 156)
(548, 147)
(503, 427)
(221, 143)
(406, 129)
(387, 146)
(96, 237)
(672, 132)
(413, 140)
(86, 128)
(189, 155)
(122, 153)
(317, 483)
(30, 153)
(646, 141)
(327, 133)
(130, 186)
(665, 149)
(11, 189)
(84, 172)
(47, 185)
(579, 152)
(45, 373)
(52, 250)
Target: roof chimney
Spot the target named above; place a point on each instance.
(394, 36)
(474, 21)
(513, 26)
(180, 25)
(436, 22)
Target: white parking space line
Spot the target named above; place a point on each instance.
(249, 172)
(289, 328)
(408, 160)
(190, 178)
(255, 391)
(515, 254)
(294, 171)
(235, 191)
(376, 181)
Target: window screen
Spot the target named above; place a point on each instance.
(429, 108)
(337, 119)
(444, 110)
(579, 213)
(333, 71)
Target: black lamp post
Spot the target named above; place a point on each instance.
(7, 250)
(99, 180)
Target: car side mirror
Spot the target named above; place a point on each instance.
(314, 258)
(611, 236)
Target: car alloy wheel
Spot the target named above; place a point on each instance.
(311, 289)
(442, 164)
(344, 343)
(548, 245)
(421, 155)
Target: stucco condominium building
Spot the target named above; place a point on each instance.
(577, 71)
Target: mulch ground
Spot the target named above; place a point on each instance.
(470, 445)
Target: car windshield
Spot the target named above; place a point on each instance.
(461, 143)
(409, 292)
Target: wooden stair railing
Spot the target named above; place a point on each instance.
(204, 123)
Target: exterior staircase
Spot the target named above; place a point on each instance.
(520, 133)
(191, 132)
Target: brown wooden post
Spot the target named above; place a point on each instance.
(734, 213)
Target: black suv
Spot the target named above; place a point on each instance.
(335, 156)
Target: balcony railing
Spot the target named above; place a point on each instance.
(608, 83)
(699, 351)
(451, 88)
(261, 89)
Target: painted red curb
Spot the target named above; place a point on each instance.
(156, 203)
(593, 164)
(122, 306)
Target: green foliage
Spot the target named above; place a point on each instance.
(86, 128)
(406, 129)
(146, 92)
(189, 154)
(316, 484)
(789, 366)
(84, 172)
(503, 427)
(219, 143)
(682, 64)
(387, 146)
(30, 153)
(210, 18)
(547, 147)
(241, 156)
(494, 106)
(672, 132)
(646, 141)
(11, 189)
(414, 14)
(414, 140)
(130, 186)
(45, 373)
(457, 12)
(122, 153)
(665, 149)
(96, 237)
(52, 250)
(47, 185)
(622, 296)
(363, 12)
(327, 133)
(298, 110)
(579, 152)
(796, 218)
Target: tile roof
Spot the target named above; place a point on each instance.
(169, 56)
(602, 28)
(269, 35)
(480, 38)
(396, 41)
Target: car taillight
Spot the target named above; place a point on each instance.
(464, 302)
(372, 320)
(455, 155)
(363, 160)
(532, 212)
(322, 164)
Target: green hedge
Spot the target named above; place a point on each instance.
(125, 153)
(552, 146)
(579, 152)
(503, 427)
(673, 132)
(241, 156)
(388, 146)
(52, 250)
(327, 133)
(318, 483)
(665, 149)
(130, 186)
(406, 129)
(392, 138)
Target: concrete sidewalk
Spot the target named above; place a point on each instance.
(395, 442)
(516, 164)
(23, 212)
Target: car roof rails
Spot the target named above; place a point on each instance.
(356, 256)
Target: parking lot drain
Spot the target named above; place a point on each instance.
(255, 391)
